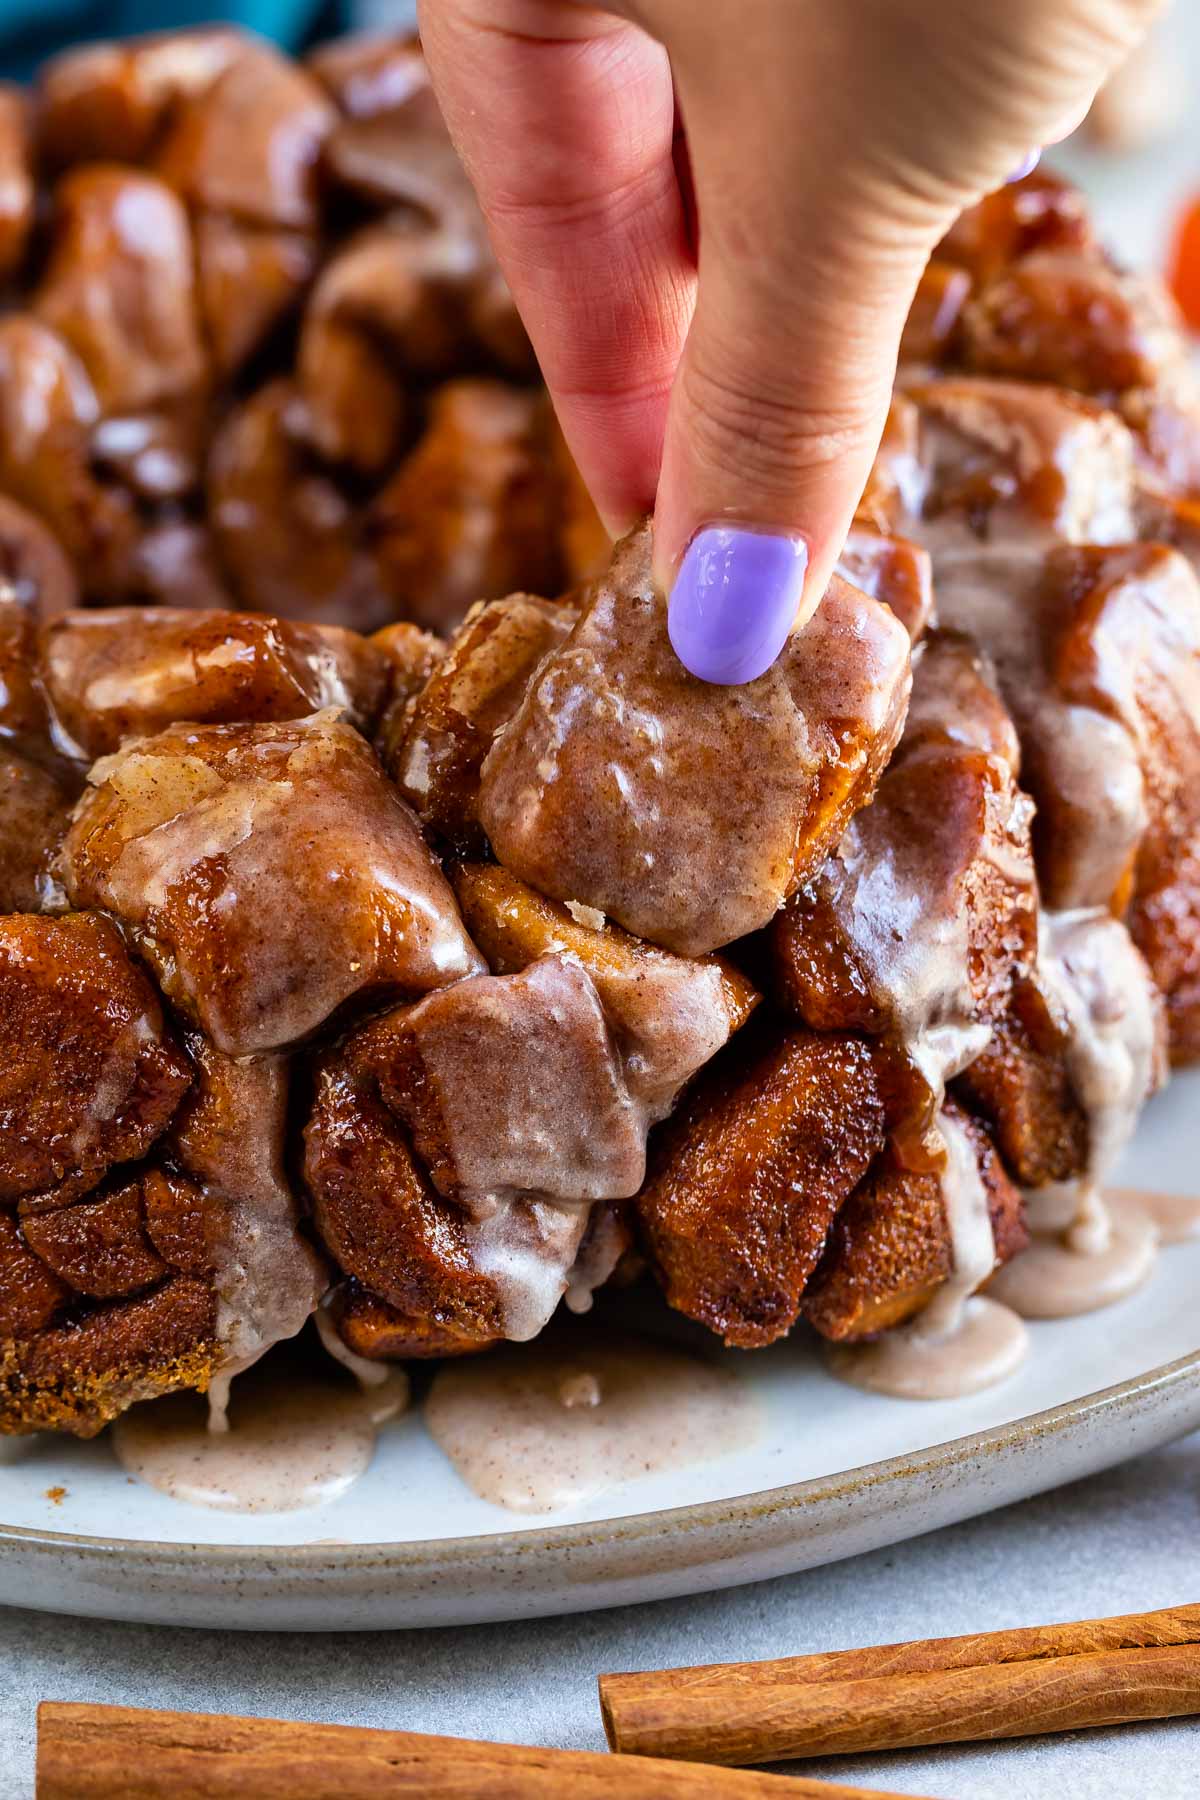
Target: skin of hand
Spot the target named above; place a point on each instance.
(713, 215)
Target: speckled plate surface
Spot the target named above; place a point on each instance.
(834, 1472)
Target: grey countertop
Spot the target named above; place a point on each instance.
(1122, 1542)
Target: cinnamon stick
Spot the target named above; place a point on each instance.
(895, 1696)
(123, 1753)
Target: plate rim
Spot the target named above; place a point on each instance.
(245, 1560)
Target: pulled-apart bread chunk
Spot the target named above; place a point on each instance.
(919, 923)
(90, 1076)
(128, 672)
(748, 1173)
(684, 811)
(1099, 658)
(382, 1220)
(471, 694)
(88, 1362)
(891, 1249)
(669, 1014)
(268, 874)
(1020, 1085)
(155, 1241)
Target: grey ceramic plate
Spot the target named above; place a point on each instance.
(835, 1472)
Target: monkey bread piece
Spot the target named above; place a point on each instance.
(18, 191)
(35, 810)
(48, 408)
(119, 288)
(1020, 1086)
(369, 1327)
(1041, 212)
(410, 656)
(748, 1173)
(288, 536)
(36, 583)
(392, 151)
(684, 811)
(509, 1084)
(669, 1014)
(110, 102)
(428, 1272)
(248, 144)
(436, 750)
(931, 330)
(1099, 659)
(126, 672)
(90, 1076)
(269, 874)
(1014, 467)
(79, 1371)
(891, 1248)
(1077, 320)
(892, 570)
(229, 1138)
(1072, 318)
(474, 512)
(97, 1245)
(249, 278)
(919, 923)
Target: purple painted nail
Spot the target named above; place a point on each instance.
(734, 600)
(1025, 167)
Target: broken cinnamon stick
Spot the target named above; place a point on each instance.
(123, 1753)
(895, 1696)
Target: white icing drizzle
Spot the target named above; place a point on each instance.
(367, 1374)
(960, 1343)
(972, 1242)
(528, 1248)
(1084, 1254)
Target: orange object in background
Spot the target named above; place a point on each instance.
(1183, 272)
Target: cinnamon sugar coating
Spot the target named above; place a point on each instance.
(90, 1074)
(268, 873)
(748, 1174)
(605, 784)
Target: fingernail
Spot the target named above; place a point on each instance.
(735, 598)
(1025, 167)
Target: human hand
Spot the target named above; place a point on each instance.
(713, 215)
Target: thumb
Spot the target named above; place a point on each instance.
(775, 418)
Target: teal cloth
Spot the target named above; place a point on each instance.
(31, 30)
